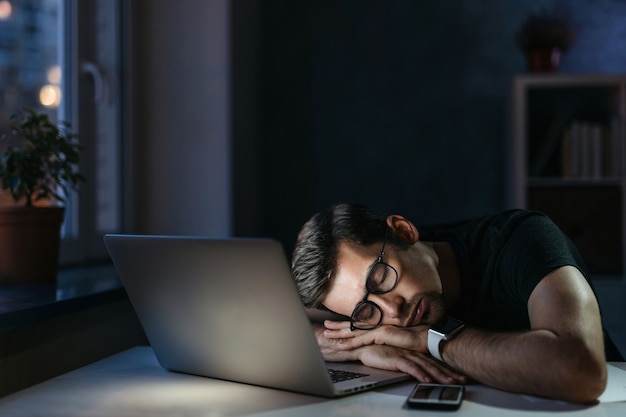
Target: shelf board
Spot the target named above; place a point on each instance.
(570, 80)
(574, 182)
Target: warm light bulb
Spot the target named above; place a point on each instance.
(50, 96)
(5, 9)
(54, 75)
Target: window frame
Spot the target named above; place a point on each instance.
(89, 86)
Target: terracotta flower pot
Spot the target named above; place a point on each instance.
(29, 244)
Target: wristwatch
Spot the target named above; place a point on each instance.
(444, 329)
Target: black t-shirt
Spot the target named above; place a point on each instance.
(501, 258)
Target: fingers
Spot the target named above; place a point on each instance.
(428, 369)
(337, 325)
(421, 366)
(334, 355)
(330, 349)
(412, 338)
(344, 338)
(387, 347)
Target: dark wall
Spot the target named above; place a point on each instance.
(398, 104)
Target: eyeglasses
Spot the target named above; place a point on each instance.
(381, 278)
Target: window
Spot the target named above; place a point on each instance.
(63, 57)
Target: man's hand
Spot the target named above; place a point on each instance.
(338, 343)
(331, 349)
(414, 338)
(421, 366)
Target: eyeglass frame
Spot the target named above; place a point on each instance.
(368, 291)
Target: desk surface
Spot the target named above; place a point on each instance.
(132, 383)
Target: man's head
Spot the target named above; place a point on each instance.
(336, 251)
(336, 248)
(315, 254)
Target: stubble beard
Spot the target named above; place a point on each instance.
(437, 310)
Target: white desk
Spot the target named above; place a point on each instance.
(132, 383)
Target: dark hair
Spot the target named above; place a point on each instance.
(315, 255)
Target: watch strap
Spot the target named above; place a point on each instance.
(443, 330)
(434, 340)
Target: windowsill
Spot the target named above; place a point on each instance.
(76, 288)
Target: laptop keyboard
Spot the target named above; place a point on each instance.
(338, 375)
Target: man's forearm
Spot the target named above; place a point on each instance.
(535, 362)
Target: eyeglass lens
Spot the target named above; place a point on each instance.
(366, 316)
(380, 279)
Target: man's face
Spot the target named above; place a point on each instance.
(416, 299)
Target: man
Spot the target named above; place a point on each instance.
(531, 320)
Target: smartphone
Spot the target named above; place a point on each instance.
(436, 396)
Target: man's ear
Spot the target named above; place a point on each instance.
(403, 228)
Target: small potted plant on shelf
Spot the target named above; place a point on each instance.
(38, 168)
(544, 37)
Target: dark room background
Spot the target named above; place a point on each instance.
(398, 104)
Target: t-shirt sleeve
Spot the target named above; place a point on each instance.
(533, 248)
(502, 258)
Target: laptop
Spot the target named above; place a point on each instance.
(229, 309)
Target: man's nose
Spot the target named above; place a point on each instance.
(391, 306)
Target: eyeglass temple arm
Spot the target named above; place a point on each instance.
(382, 251)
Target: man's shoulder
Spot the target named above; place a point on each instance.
(488, 223)
(510, 215)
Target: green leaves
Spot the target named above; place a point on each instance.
(40, 160)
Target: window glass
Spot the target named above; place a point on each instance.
(30, 69)
(61, 57)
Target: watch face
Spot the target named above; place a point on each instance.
(446, 325)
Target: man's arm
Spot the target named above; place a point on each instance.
(562, 356)
(420, 365)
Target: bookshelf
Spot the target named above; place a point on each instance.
(567, 159)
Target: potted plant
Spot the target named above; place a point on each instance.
(544, 37)
(38, 168)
